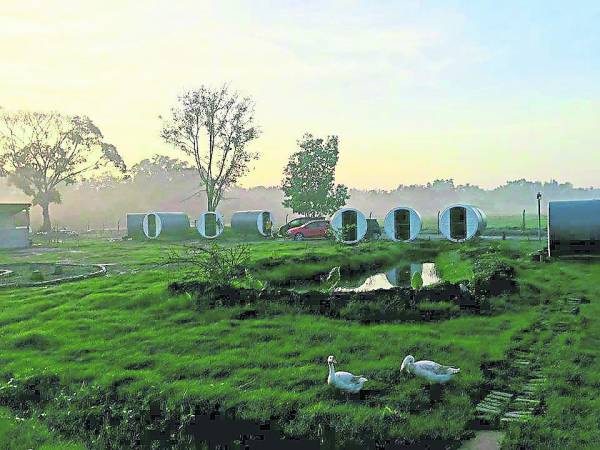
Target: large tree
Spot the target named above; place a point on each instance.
(214, 126)
(309, 178)
(39, 152)
(159, 165)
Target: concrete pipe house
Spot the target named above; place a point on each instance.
(252, 222)
(157, 224)
(135, 224)
(14, 225)
(460, 222)
(349, 225)
(210, 225)
(574, 227)
(402, 224)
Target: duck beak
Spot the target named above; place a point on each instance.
(402, 367)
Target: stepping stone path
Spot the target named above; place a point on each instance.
(502, 408)
(493, 406)
(572, 305)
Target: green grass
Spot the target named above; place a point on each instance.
(273, 261)
(496, 225)
(108, 345)
(17, 433)
(131, 334)
(572, 362)
(453, 267)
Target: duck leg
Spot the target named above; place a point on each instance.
(435, 393)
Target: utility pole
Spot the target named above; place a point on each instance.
(539, 199)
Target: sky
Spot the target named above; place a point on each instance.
(481, 92)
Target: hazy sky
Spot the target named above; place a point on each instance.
(478, 91)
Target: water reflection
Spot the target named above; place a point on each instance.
(395, 277)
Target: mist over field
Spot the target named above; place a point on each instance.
(103, 203)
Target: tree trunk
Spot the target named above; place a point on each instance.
(47, 225)
(212, 200)
(209, 197)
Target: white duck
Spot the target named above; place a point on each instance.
(431, 371)
(344, 381)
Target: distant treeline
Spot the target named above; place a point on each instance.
(103, 202)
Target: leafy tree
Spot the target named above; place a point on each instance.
(39, 152)
(159, 165)
(214, 127)
(308, 178)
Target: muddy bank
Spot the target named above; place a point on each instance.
(492, 277)
(398, 304)
(107, 419)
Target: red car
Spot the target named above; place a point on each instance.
(311, 230)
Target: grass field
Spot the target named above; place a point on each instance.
(496, 225)
(109, 350)
(23, 434)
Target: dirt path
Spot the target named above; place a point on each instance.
(484, 440)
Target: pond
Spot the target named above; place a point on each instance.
(397, 276)
(394, 277)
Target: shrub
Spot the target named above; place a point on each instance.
(492, 276)
(217, 265)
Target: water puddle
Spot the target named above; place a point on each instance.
(395, 277)
(398, 276)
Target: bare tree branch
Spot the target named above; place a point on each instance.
(224, 122)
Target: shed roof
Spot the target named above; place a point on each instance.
(10, 209)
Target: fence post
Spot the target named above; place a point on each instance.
(539, 200)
